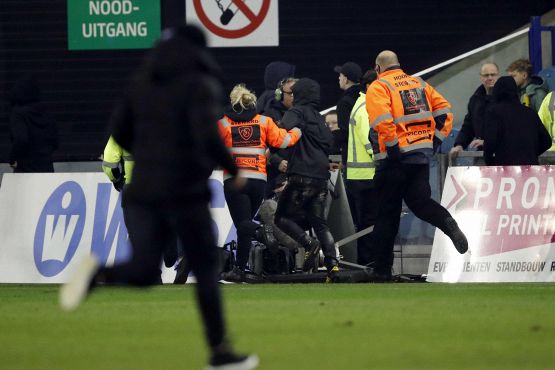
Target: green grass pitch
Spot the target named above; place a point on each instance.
(301, 326)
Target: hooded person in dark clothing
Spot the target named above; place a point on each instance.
(273, 74)
(168, 120)
(33, 131)
(514, 133)
(273, 103)
(308, 174)
(277, 162)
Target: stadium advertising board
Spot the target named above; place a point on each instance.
(112, 24)
(48, 222)
(508, 216)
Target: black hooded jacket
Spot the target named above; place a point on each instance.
(273, 74)
(168, 121)
(473, 124)
(344, 108)
(514, 134)
(309, 156)
(34, 134)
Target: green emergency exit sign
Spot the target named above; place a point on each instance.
(112, 24)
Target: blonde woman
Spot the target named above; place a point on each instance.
(247, 135)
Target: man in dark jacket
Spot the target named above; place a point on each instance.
(349, 76)
(514, 133)
(275, 109)
(33, 131)
(273, 102)
(308, 174)
(471, 135)
(168, 121)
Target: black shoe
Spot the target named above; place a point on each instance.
(312, 248)
(333, 275)
(237, 275)
(265, 235)
(232, 361)
(183, 270)
(453, 231)
(375, 276)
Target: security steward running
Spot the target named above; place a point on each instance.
(410, 119)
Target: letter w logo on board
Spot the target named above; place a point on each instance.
(245, 132)
(57, 236)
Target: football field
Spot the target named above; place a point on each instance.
(302, 326)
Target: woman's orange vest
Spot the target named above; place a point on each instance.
(248, 142)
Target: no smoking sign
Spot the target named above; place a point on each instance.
(232, 23)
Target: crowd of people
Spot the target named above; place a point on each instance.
(276, 148)
(497, 111)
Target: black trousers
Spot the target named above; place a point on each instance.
(395, 183)
(150, 227)
(363, 202)
(307, 197)
(243, 205)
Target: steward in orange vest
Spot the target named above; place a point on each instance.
(247, 135)
(410, 119)
(408, 115)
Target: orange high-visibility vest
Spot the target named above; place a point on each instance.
(248, 141)
(407, 112)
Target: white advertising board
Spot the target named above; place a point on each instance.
(48, 222)
(508, 216)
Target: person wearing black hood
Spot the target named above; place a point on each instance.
(33, 131)
(307, 178)
(168, 120)
(277, 161)
(248, 134)
(514, 133)
(273, 103)
(274, 73)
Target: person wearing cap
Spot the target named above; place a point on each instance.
(349, 76)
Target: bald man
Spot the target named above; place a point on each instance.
(408, 120)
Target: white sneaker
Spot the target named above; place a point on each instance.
(76, 290)
(232, 361)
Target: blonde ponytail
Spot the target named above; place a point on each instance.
(242, 97)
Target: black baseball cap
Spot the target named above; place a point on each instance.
(351, 70)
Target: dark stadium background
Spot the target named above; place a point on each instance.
(80, 87)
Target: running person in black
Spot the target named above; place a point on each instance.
(168, 120)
